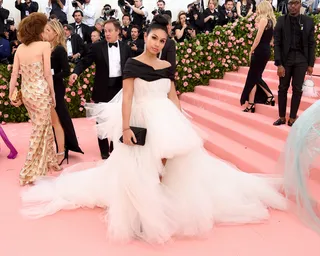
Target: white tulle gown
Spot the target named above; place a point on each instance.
(196, 191)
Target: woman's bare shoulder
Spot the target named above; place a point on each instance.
(164, 64)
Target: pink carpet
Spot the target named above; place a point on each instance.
(82, 232)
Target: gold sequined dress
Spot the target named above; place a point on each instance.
(36, 97)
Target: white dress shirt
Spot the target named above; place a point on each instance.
(69, 48)
(88, 14)
(79, 30)
(114, 61)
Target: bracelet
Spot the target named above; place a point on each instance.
(126, 129)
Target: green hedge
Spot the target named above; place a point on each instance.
(198, 60)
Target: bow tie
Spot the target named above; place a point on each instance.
(113, 44)
(69, 39)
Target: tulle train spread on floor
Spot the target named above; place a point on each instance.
(196, 191)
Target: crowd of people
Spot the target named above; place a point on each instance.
(148, 170)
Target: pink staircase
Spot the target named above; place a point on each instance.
(247, 140)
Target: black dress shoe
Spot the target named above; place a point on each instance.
(290, 122)
(279, 122)
(103, 156)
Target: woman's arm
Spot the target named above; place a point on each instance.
(261, 27)
(127, 102)
(238, 9)
(179, 32)
(250, 11)
(14, 74)
(47, 69)
(172, 95)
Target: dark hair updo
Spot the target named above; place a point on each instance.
(158, 22)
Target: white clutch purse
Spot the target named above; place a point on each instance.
(308, 88)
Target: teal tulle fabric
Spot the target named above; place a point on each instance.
(300, 157)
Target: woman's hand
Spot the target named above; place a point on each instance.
(16, 103)
(128, 137)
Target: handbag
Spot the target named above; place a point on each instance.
(309, 89)
(139, 133)
(16, 96)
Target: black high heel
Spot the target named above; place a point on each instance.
(251, 109)
(270, 101)
(66, 156)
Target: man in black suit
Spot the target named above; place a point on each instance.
(75, 45)
(136, 44)
(81, 29)
(294, 49)
(26, 8)
(110, 57)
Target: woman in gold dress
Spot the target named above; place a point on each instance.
(32, 62)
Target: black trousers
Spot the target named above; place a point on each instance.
(295, 69)
(114, 86)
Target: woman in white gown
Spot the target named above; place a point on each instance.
(196, 190)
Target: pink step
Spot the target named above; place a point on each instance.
(237, 87)
(251, 138)
(234, 99)
(272, 82)
(234, 152)
(244, 158)
(256, 121)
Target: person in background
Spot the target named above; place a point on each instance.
(88, 11)
(4, 14)
(65, 135)
(59, 8)
(26, 8)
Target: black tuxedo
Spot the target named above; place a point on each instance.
(169, 54)
(4, 14)
(226, 19)
(104, 88)
(294, 49)
(98, 54)
(77, 44)
(86, 32)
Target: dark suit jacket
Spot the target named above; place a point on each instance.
(98, 54)
(4, 14)
(77, 44)
(169, 54)
(282, 39)
(86, 32)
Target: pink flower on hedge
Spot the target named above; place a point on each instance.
(318, 36)
(82, 103)
(84, 86)
(187, 61)
(86, 80)
(207, 32)
(80, 109)
(178, 93)
(183, 61)
(79, 92)
(68, 100)
(3, 123)
(73, 94)
(6, 103)
(87, 70)
(229, 44)
(88, 75)
(93, 73)
(185, 84)
(68, 89)
(5, 115)
(0, 113)
(92, 66)
(197, 42)
(217, 33)
(209, 58)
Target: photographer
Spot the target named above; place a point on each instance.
(98, 26)
(212, 16)
(87, 9)
(195, 17)
(11, 29)
(4, 14)
(136, 44)
(108, 13)
(26, 8)
(161, 9)
(59, 8)
(137, 12)
(182, 29)
(126, 27)
(4, 50)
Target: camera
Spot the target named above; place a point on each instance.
(194, 9)
(158, 11)
(108, 11)
(131, 44)
(75, 5)
(121, 3)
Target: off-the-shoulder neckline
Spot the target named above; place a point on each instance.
(149, 65)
